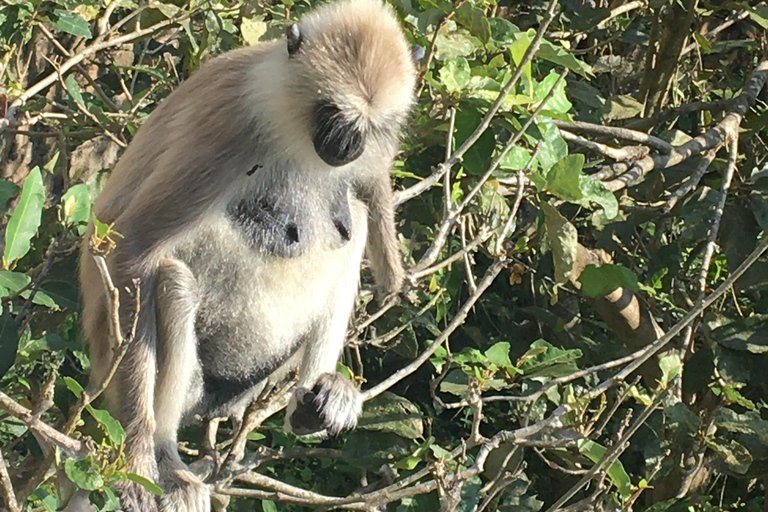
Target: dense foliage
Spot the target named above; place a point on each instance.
(577, 331)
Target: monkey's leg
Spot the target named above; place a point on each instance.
(177, 303)
(325, 398)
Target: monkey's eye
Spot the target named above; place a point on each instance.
(337, 140)
(293, 38)
(418, 53)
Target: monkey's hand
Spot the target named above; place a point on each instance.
(334, 404)
(135, 497)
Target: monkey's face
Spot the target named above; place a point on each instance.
(357, 77)
(337, 140)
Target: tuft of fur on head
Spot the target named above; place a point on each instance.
(354, 52)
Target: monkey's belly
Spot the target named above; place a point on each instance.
(257, 309)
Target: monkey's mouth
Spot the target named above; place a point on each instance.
(338, 141)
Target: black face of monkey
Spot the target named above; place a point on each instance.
(337, 140)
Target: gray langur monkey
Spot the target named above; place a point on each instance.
(246, 202)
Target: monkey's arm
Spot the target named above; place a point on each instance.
(383, 248)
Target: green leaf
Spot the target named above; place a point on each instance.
(748, 334)
(49, 501)
(498, 354)
(735, 455)
(455, 74)
(553, 147)
(25, 219)
(602, 280)
(73, 385)
(252, 30)
(9, 343)
(84, 473)
(71, 23)
(517, 51)
(389, 412)
(145, 483)
(255, 436)
(561, 57)
(8, 191)
(516, 159)
(112, 427)
(617, 474)
(563, 179)
(74, 90)
(671, 367)
(12, 282)
(268, 506)
(76, 205)
(62, 294)
(542, 359)
(593, 190)
(558, 102)
(563, 239)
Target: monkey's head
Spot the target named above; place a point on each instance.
(359, 73)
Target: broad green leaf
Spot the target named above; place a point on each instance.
(71, 23)
(560, 56)
(268, 506)
(602, 280)
(498, 354)
(455, 74)
(167, 9)
(563, 240)
(112, 427)
(748, 423)
(146, 483)
(25, 219)
(84, 473)
(9, 343)
(671, 367)
(252, 30)
(12, 282)
(516, 159)
(255, 436)
(74, 91)
(73, 385)
(593, 190)
(49, 501)
(735, 455)
(553, 147)
(63, 294)
(558, 102)
(76, 205)
(748, 334)
(517, 51)
(616, 473)
(563, 179)
(542, 359)
(8, 191)
(503, 31)
(389, 412)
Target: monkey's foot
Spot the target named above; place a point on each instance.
(135, 497)
(182, 489)
(333, 404)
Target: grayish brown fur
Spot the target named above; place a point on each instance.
(232, 289)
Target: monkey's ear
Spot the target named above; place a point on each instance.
(293, 38)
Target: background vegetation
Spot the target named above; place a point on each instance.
(587, 322)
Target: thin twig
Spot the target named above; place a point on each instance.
(8, 494)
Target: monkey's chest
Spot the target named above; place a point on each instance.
(286, 223)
